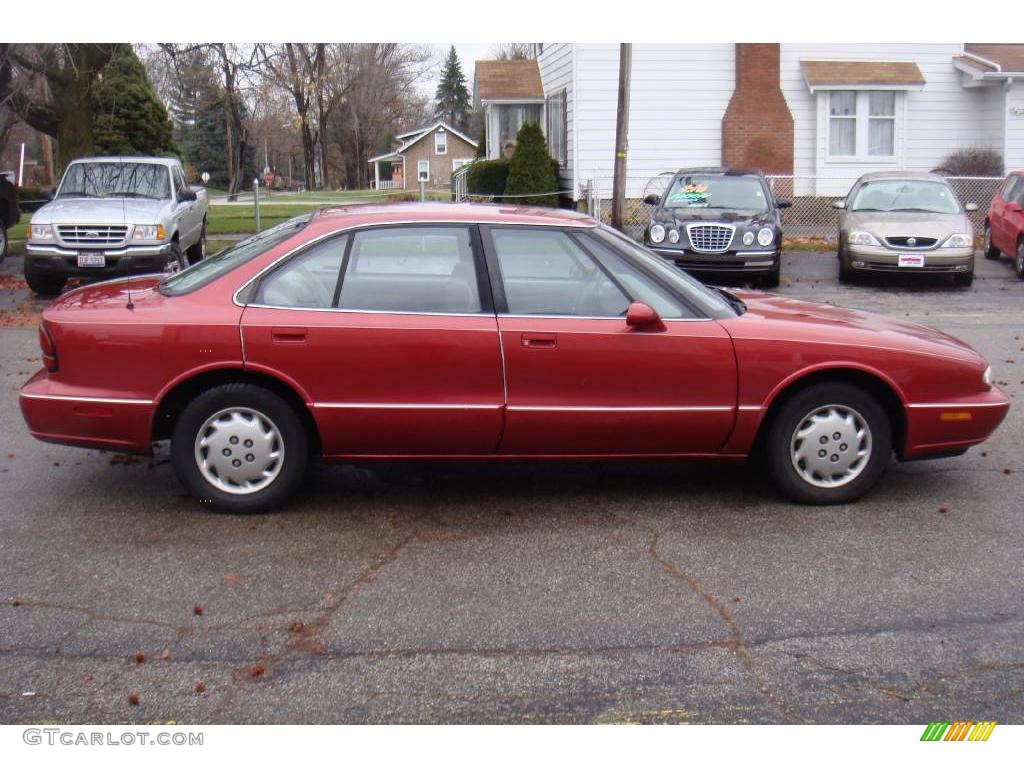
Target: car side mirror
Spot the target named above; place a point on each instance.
(839, 203)
(652, 199)
(783, 202)
(971, 207)
(643, 317)
(187, 195)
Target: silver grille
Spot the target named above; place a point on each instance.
(84, 234)
(911, 242)
(710, 238)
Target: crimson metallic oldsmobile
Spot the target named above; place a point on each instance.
(487, 332)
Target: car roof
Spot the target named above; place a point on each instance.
(720, 171)
(333, 217)
(902, 175)
(127, 159)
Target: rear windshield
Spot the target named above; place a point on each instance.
(889, 195)
(212, 267)
(745, 193)
(116, 179)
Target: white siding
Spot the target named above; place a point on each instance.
(557, 73)
(679, 97)
(939, 119)
(1013, 114)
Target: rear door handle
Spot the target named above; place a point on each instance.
(287, 335)
(539, 340)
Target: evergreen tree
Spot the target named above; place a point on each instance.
(128, 118)
(531, 169)
(452, 97)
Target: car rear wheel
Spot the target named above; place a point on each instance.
(198, 251)
(989, 251)
(1018, 262)
(40, 282)
(828, 444)
(240, 448)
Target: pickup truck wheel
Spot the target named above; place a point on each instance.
(42, 283)
(239, 448)
(3, 241)
(198, 251)
(174, 262)
(828, 444)
(987, 249)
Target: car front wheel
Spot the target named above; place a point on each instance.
(43, 283)
(174, 261)
(987, 249)
(829, 444)
(3, 241)
(1018, 262)
(240, 448)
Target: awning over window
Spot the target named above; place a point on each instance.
(832, 75)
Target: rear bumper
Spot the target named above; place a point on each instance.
(953, 425)
(121, 262)
(59, 415)
(729, 261)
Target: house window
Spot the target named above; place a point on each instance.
(556, 127)
(423, 170)
(460, 162)
(511, 118)
(441, 143)
(861, 124)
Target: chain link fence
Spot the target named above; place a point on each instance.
(811, 216)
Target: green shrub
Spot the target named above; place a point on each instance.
(532, 170)
(488, 177)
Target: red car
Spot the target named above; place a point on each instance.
(1004, 224)
(487, 332)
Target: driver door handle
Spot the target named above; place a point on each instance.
(539, 340)
(288, 335)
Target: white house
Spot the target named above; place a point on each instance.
(824, 113)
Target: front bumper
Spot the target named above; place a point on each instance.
(59, 414)
(120, 262)
(935, 429)
(746, 261)
(874, 258)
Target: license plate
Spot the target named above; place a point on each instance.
(92, 259)
(911, 260)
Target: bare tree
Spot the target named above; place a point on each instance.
(512, 51)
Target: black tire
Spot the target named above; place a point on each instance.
(845, 273)
(771, 280)
(42, 283)
(781, 444)
(175, 261)
(1018, 260)
(234, 402)
(964, 279)
(197, 252)
(987, 249)
(3, 240)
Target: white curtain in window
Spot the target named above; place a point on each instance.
(842, 136)
(881, 136)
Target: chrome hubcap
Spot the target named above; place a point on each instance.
(173, 263)
(1020, 259)
(239, 450)
(831, 446)
(988, 239)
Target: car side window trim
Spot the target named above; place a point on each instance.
(341, 270)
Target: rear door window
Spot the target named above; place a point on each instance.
(412, 269)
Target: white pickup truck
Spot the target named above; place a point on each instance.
(116, 216)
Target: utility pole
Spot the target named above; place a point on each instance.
(621, 135)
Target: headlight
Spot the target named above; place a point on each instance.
(673, 236)
(765, 236)
(748, 238)
(957, 241)
(148, 232)
(986, 377)
(657, 233)
(42, 232)
(863, 238)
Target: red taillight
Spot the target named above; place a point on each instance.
(49, 348)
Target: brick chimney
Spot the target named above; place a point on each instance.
(757, 130)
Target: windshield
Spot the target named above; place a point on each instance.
(744, 193)
(212, 267)
(116, 179)
(905, 195)
(714, 303)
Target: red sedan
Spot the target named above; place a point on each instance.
(487, 332)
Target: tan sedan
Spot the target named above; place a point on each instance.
(905, 222)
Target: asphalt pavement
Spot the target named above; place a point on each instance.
(520, 593)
